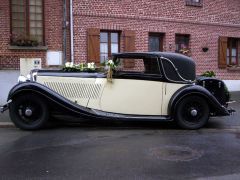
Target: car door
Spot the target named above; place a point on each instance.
(135, 91)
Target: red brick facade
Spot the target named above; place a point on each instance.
(205, 24)
(10, 58)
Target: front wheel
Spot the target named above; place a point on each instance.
(28, 112)
(192, 112)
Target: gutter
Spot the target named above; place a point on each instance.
(64, 31)
(71, 31)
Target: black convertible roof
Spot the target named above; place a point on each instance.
(184, 64)
(169, 55)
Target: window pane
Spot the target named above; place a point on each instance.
(103, 37)
(39, 38)
(154, 44)
(114, 37)
(234, 61)
(104, 48)
(39, 17)
(38, 9)
(32, 9)
(32, 23)
(20, 2)
(234, 52)
(33, 32)
(182, 42)
(18, 8)
(39, 31)
(18, 31)
(114, 48)
(103, 57)
(17, 23)
(32, 2)
(228, 61)
(39, 2)
(18, 16)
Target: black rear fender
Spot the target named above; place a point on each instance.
(214, 105)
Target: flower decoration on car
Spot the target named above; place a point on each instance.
(82, 67)
(111, 66)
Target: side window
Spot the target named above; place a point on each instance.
(145, 66)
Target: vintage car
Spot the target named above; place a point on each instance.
(150, 86)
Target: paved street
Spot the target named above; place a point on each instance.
(123, 151)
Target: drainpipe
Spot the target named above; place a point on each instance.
(64, 31)
(71, 31)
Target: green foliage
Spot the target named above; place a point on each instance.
(208, 74)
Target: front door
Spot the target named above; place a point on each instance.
(136, 88)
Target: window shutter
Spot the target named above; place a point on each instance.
(222, 52)
(129, 46)
(93, 45)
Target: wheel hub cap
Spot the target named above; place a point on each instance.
(194, 112)
(28, 112)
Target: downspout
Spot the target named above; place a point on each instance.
(71, 31)
(64, 31)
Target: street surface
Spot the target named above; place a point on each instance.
(123, 151)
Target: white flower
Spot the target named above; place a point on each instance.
(67, 64)
(91, 65)
(110, 62)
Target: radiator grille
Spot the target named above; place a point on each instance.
(76, 90)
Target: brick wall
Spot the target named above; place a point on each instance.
(204, 24)
(10, 59)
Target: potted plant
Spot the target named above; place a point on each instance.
(23, 40)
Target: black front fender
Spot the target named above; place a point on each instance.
(215, 106)
(51, 97)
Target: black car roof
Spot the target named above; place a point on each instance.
(184, 64)
(157, 53)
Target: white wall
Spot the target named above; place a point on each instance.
(233, 85)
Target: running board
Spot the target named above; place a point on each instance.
(130, 117)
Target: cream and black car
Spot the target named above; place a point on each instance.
(153, 86)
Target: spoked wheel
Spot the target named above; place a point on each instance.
(29, 112)
(192, 112)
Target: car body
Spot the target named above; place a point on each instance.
(149, 86)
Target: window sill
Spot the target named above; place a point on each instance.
(37, 48)
(235, 68)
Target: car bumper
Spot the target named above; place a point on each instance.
(5, 107)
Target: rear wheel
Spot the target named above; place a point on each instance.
(29, 112)
(192, 112)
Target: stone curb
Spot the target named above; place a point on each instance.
(6, 125)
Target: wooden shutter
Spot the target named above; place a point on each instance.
(222, 52)
(129, 46)
(93, 45)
